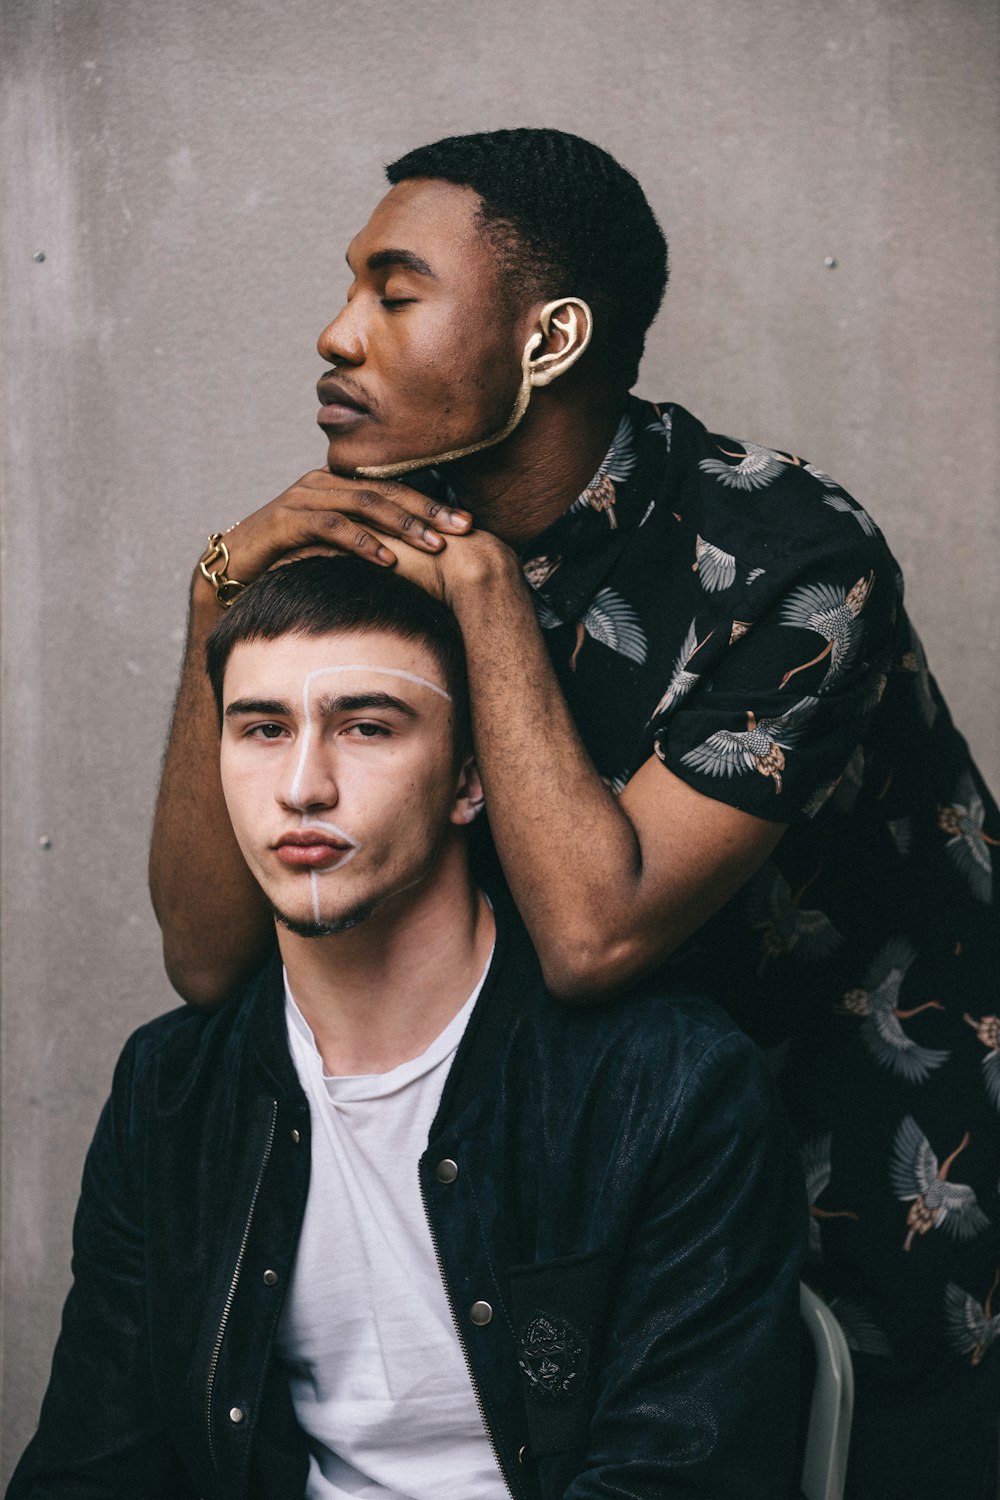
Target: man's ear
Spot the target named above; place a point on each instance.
(562, 333)
(469, 796)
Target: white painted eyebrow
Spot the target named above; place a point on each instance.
(377, 671)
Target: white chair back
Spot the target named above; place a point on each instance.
(828, 1435)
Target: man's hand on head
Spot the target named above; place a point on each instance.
(324, 512)
(460, 568)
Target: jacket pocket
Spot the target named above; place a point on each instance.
(558, 1310)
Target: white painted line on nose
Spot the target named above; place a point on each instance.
(296, 787)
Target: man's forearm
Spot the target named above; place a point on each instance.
(216, 927)
(606, 886)
(548, 808)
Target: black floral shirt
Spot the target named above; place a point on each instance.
(732, 611)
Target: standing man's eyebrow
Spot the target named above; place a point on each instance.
(382, 260)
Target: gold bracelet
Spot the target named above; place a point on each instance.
(213, 563)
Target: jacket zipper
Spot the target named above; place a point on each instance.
(464, 1348)
(227, 1308)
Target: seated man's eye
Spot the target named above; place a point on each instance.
(268, 731)
(371, 731)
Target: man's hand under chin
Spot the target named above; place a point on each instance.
(324, 512)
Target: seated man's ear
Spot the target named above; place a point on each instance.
(469, 797)
(562, 333)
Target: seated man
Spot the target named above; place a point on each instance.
(393, 1222)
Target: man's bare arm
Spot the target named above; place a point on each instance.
(216, 927)
(607, 886)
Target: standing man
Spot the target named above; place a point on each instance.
(397, 1223)
(706, 731)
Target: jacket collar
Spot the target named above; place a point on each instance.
(498, 1012)
(486, 1037)
(268, 1034)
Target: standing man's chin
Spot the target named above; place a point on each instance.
(344, 457)
(325, 927)
(340, 466)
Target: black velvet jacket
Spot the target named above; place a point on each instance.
(617, 1213)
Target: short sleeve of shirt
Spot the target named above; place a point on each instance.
(772, 719)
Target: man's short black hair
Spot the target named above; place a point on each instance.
(321, 595)
(564, 219)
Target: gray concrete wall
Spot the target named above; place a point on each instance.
(193, 172)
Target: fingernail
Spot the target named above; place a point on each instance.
(432, 539)
(385, 556)
(456, 518)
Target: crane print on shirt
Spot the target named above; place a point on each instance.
(682, 679)
(967, 848)
(877, 1001)
(972, 1325)
(862, 1333)
(538, 570)
(715, 568)
(935, 1203)
(601, 493)
(914, 662)
(833, 613)
(610, 620)
(817, 1170)
(775, 910)
(662, 424)
(757, 467)
(864, 520)
(987, 1029)
(760, 747)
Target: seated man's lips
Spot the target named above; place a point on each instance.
(310, 851)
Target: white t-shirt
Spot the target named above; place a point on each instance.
(378, 1378)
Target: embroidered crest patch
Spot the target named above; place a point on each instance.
(553, 1357)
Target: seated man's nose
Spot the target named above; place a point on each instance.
(313, 785)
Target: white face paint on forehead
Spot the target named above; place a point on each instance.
(308, 821)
